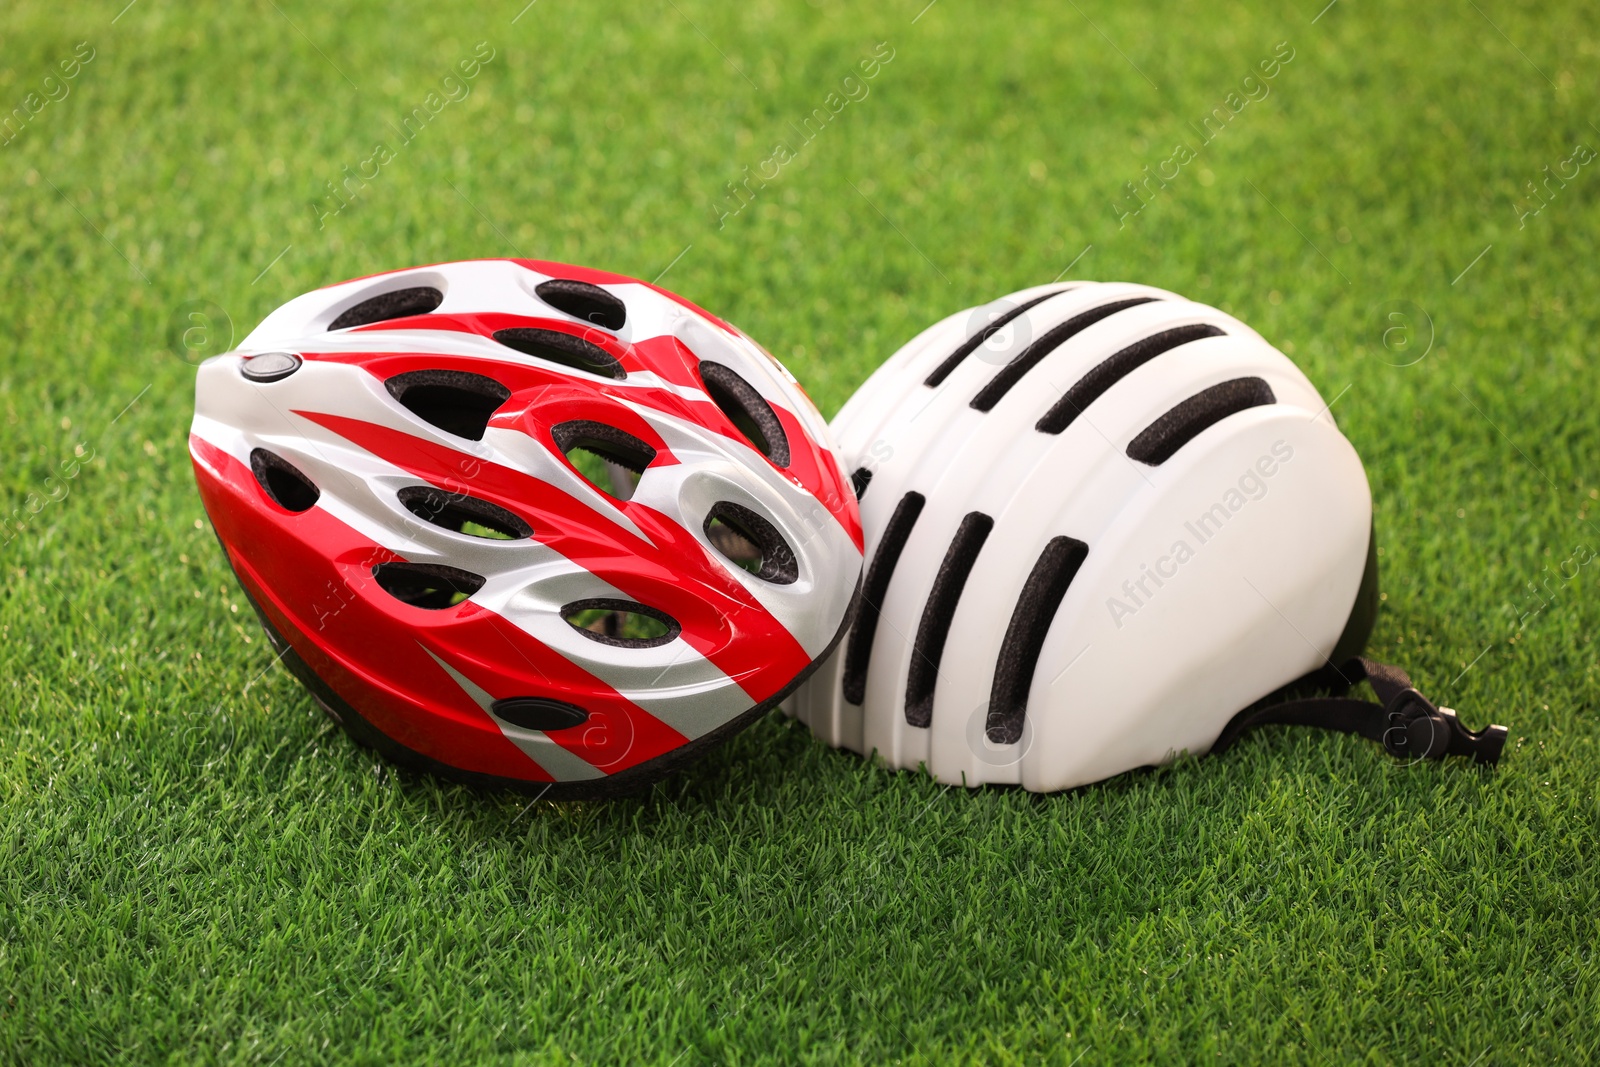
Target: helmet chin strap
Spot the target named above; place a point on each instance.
(1406, 723)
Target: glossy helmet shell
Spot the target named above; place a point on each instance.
(1101, 521)
(395, 467)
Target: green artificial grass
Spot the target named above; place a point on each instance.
(195, 865)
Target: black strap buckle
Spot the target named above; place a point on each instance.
(1418, 730)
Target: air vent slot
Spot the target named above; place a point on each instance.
(584, 301)
(970, 345)
(748, 410)
(1113, 369)
(426, 585)
(1185, 421)
(611, 459)
(455, 401)
(751, 542)
(396, 304)
(283, 482)
(463, 514)
(1053, 339)
(621, 623)
(1041, 596)
(858, 649)
(927, 651)
(562, 348)
(539, 713)
(859, 482)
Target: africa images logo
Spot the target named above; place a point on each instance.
(1252, 485)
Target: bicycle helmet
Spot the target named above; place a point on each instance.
(1103, 522)
(524, 523)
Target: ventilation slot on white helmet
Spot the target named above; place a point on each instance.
(1158, 441)
(1053, 339)
(970, 345)
(621, 623)
(1113, 369)
(396, 304)
(928, 649)
(563, 348)
(1019, 656)
(282, 481)
(859, 482)
(748, 410)
(584, 301)
(426, 585)
(751, 542)
(612, 460)
(463, 514)
(455, 401)
(858, 651)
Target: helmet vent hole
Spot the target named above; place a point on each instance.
(928, 648)
(859, 481)
(748, 410)
(454, 401)
(539, 713)
(283, 482)
(553, 346)
(1116, 367)
(621, 623)
(1029, 357)
(1041, 597)
(610, 459)
(463, 514)
(1184, 422)
(426, 585)
(858, 650)
(970, 345)
(584, 301)
(751, 542)
(397, 304)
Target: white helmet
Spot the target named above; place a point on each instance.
(1103, 521)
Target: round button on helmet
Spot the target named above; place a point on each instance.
(1104, 525)
(527, 524)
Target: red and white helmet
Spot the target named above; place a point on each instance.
(525, 523)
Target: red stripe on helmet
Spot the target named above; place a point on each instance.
(543, 399)
(312, 575)
(676, 573)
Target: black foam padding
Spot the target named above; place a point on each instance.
(539, 713)
(396, 304)
(1157, 442)
(426, 585)
(778, 562)
(452, 511)
(1053, 339)
(747, 409)
(859, 480)
(970, 345)
(584, 301)
(455, 401)
(1113, 369)
(562, 348)
(1041, 597)
(282, 481)
(858, 650)
(607, 442)
(613, 635)
(927, 651)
